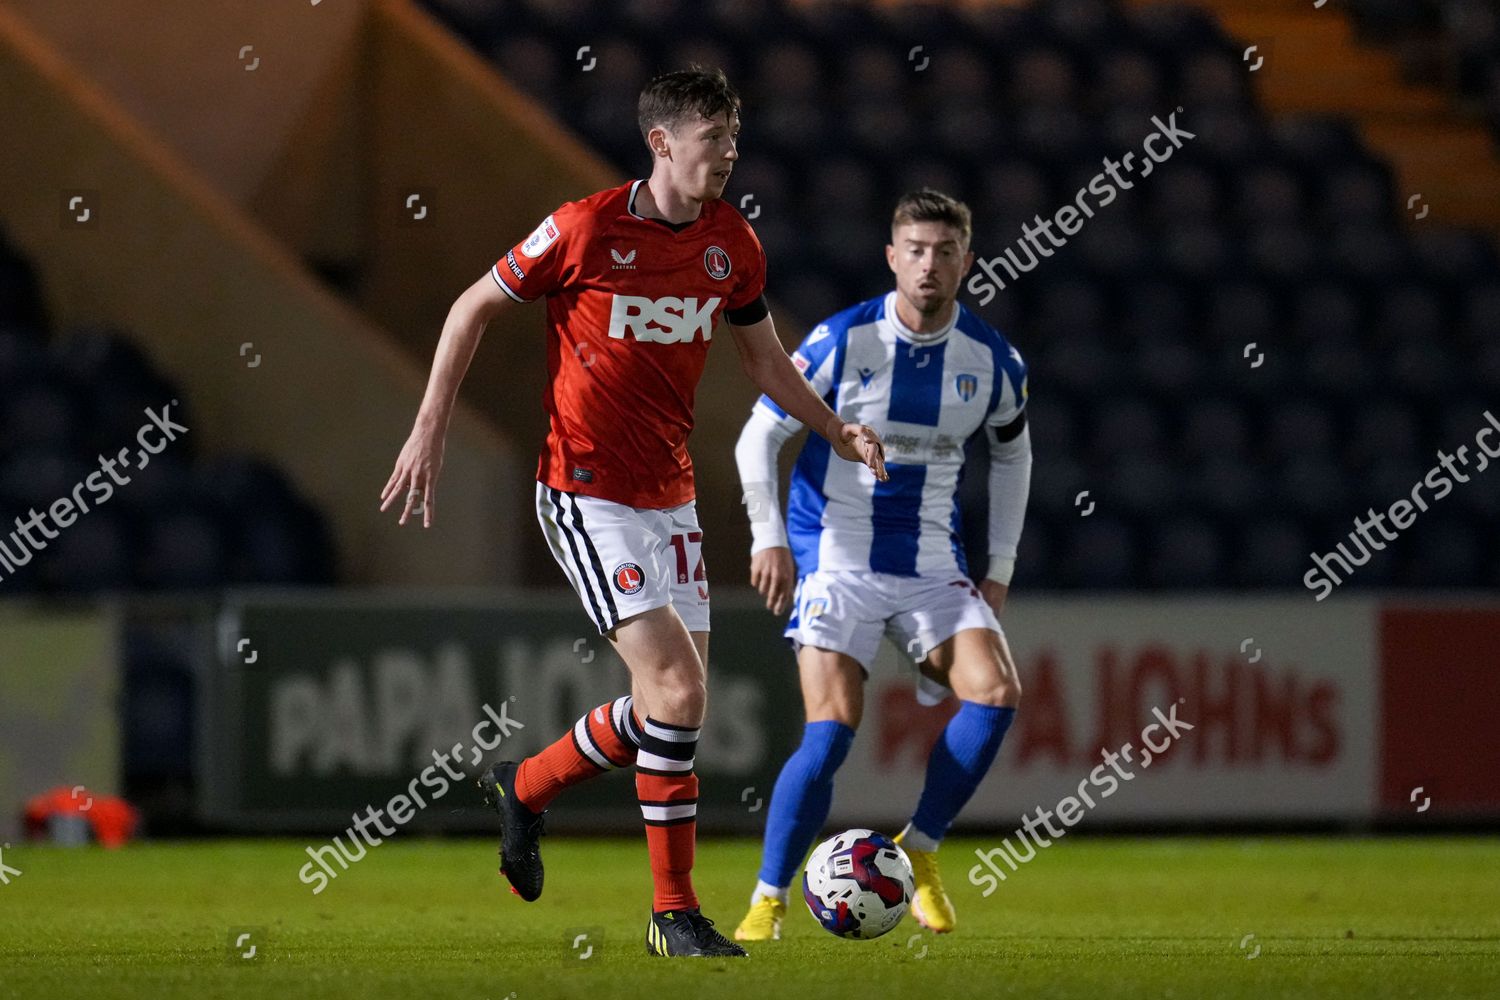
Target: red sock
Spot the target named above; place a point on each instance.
(602, 740)
(668, 791)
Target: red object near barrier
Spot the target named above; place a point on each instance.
(111, 820)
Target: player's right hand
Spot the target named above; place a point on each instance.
(773, 573)
(415, 477)
(858, 443)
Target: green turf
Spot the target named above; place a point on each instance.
(431, 919)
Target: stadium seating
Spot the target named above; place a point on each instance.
(182, 523)
(1211, 461)
(1454, 43)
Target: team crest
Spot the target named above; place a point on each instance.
(716, 262)
(545, 235)
(967, 385)
(629, 578)
(814, 607)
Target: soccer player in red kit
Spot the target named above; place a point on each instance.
(635, 279)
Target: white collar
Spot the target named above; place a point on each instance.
(912, 336)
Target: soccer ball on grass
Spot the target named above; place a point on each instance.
(858, 884)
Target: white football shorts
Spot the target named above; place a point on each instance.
(848, 612)
(623, 560)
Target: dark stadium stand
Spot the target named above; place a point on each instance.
(1284, 233)
(183, 522)
(1454, 43)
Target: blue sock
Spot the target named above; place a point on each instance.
(801, 799)
(960, 758)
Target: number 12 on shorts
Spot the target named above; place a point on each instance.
(681, 543)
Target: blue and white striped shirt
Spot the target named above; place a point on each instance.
(925, 394)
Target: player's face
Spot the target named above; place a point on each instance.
(929, 260)
(703, 154)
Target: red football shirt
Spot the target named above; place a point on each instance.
(631, 306)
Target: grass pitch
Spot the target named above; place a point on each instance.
(1176, 917)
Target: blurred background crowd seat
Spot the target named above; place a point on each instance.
(71, 398)
(1455, 43)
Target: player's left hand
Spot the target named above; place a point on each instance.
(858, 443)
(994, 594)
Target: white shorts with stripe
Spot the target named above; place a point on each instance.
(850, 612)
(624, 561)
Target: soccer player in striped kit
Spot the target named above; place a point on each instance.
(635, 278)
(883, 558)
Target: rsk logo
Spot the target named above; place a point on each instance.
(663, 321)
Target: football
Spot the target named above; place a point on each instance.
(858, 884)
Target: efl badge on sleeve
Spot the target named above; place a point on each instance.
(545, 235)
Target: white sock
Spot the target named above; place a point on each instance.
(917, 840)
(768, 891)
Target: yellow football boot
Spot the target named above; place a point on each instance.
(930, 903)
(763, 922)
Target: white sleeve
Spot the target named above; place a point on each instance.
(1010, 487)
(756, 453)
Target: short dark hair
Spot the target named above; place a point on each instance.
(928, 205)
(673, 98)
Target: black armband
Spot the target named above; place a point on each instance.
(749, 315)
(1010, 431)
